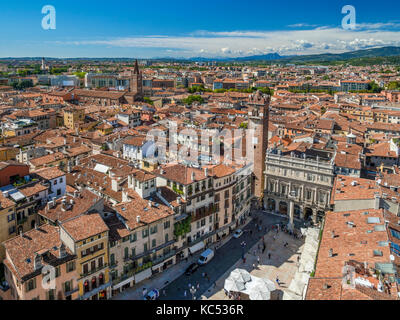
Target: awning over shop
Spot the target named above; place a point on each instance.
(143, 275)
(197, 247)
(158, 266)
(122, 283)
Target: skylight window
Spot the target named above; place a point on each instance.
(373, 220)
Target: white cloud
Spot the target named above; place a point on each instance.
(243, 43)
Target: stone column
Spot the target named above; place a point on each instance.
(291, 215)
(314, 215)
(301, 212)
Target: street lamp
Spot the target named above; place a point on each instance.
(193, 291)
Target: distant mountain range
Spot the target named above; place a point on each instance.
(366, 53)
(325, 57)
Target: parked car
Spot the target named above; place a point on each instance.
(205, 257)
(191, 269)
(238, 233)
(152, 295)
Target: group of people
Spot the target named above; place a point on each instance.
(232, 295)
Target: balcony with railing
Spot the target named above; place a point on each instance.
(94, 270)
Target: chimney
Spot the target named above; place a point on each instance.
(37, 262)
(333, 233)
(64, 205)
(192, 176)
(330, 253)
(206, 172)
(114, 185)
(137, 219)
(50, 204)
(76, 194)
(377, 201)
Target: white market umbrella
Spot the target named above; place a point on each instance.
(257, 293)
(233, 285)
(269, 284)
(240, 275)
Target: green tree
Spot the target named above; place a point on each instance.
(189, 100)
(148, 100)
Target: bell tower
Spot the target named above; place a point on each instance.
(258, 116)
(135, 85)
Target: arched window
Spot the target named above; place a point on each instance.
(94, 283)
(86, 286)
(101, 279)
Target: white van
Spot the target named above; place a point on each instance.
(206, 256)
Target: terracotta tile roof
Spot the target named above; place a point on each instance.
(180, 173)
(49, 173)
(148, 212)
(21, 249)
(82, 204)
(32, 190)
(362, 189)
(348, 161)
(47, 159)
(85, 226)
(350, 242)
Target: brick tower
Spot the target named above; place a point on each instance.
(135, 84)
(258, 107)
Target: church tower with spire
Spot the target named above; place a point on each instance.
(135, 85)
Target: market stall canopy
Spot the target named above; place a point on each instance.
(241, 275)
(233, 285)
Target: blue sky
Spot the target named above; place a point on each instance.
(217, 28)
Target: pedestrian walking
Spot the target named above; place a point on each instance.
(254, 265)
(277, 281)
(298, 258)
(258, 259)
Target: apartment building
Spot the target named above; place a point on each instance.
(143, 236)
(29, 260)
(86, 236)
(353, 85)
(73, 116)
